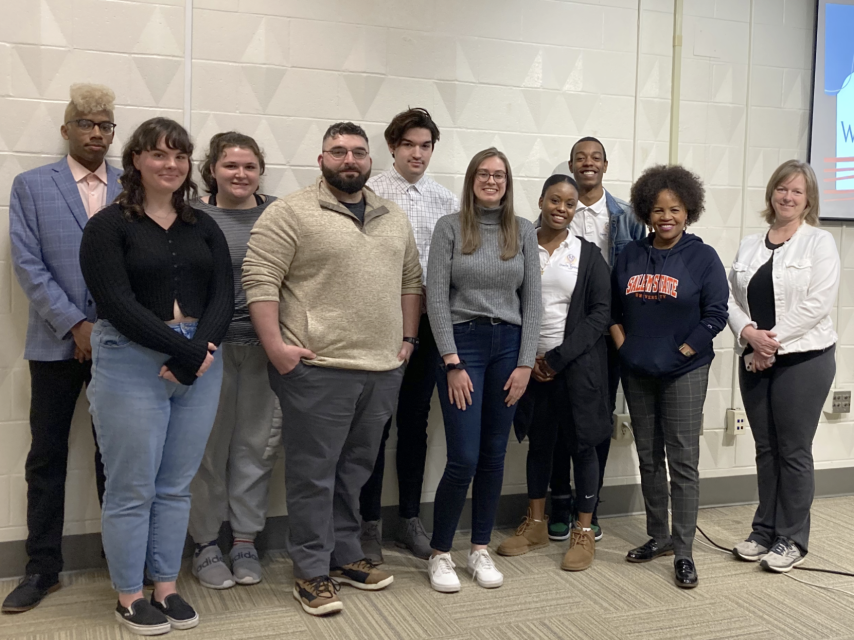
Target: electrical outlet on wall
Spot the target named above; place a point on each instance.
(622, 428)
(838, 401)
(736, 421)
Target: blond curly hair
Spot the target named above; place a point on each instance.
(87, 99)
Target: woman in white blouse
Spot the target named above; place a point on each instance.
(569, 389)
(783, 285)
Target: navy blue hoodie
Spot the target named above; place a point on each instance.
(667, 297)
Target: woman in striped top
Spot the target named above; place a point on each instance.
(233, 480)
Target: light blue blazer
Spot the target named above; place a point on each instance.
(46, 220)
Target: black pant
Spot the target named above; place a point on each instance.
(547, 424)
(783, 406)
(55, 389)
(560, 465)
(413, 409)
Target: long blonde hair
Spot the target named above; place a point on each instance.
(783, 174)
(469, 224)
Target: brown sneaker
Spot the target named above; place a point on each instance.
(530, 535)
(318, 595)
(362, 574)
(582, 548)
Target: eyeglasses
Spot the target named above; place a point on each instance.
(339, 153)
(483, 176)
(87, 125)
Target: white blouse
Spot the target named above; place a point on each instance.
(559, 275)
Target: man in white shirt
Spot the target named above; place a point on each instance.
(610, 224)
(411, 137)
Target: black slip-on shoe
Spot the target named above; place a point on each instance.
(142, 619)
(31, 590)
(178, 611)
(649, 551)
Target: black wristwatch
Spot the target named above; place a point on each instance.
(455, 366)
(413, 341)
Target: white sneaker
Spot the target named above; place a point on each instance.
(482, 568)
(443, 578)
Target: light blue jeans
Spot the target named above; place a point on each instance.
(152, 435)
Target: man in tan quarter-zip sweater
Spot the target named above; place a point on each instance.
(333, 282)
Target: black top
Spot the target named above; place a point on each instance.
(136, 270)
(357, 209)
(760, 292)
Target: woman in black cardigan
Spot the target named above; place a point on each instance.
(570, 380)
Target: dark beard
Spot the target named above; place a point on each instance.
(347, 185)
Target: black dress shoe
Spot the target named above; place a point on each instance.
(30, 591)
(650, 551)
(686, 573)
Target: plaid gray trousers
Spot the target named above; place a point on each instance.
(667, 416)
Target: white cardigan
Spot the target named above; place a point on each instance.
(806, 280)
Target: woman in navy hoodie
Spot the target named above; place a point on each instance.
(669, 301)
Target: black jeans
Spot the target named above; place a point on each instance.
(413, 409)
(561, 461)
(550, 406)
(55, 389)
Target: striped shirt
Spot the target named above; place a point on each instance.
(236, 224)
(424, 203)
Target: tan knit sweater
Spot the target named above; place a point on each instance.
(338, 282)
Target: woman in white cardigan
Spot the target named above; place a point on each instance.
(783, 285)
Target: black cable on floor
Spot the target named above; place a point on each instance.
(816, 570)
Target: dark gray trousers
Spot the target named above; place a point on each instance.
(783, 406)
(332, 426)
(667, 415)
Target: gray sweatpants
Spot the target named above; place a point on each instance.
(234, 478)
(783, 405)
(335, 420)
(667, 415)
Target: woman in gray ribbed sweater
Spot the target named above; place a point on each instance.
(483, 299)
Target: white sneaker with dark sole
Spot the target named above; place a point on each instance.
(142, 619)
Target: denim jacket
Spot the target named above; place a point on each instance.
(625, 227)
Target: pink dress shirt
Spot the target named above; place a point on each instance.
(92, 186)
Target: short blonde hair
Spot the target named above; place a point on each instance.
(783, 174)
(87, 99)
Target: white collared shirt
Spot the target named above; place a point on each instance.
(424, 203)
(559, 276)
(593, 224)
(806, 281)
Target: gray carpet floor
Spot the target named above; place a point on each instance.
(611, 600)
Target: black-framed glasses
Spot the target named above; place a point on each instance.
(339, 153)
(84, 124)
(483, 175)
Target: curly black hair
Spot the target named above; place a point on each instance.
(686, 185)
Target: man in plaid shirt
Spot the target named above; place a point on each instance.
(411, 137)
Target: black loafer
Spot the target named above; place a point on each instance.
(686, 573)
(30, 591)
(650, 551)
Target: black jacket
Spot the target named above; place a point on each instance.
(581, 360)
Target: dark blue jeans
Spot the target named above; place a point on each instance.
(477, 437)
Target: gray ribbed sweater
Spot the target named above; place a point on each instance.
(461, 287)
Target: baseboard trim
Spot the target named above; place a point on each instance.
(84, 551)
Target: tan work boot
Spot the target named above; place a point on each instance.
(531, 534)
(582, 549)
(318, 596)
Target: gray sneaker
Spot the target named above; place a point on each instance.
(372, 541)
(211, 570)
(411, 535)
(245, 564)
(749, 551)
(783, 556)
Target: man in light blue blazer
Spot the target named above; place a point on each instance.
(49, 207)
